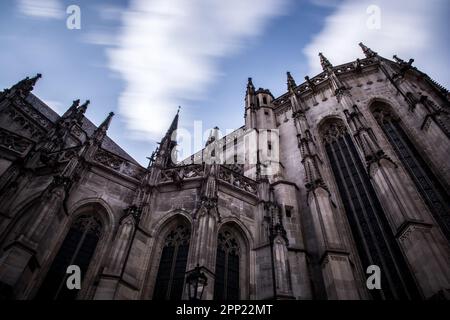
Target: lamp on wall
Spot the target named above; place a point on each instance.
(196, 282)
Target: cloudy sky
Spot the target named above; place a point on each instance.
(144, 58)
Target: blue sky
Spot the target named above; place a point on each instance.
(143, 58)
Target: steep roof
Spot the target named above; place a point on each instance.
(108, 144)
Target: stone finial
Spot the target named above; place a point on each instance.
(250, 87)
(369, 53)
(326, 64)
(290, 82)
(25, 86)
(104, 126)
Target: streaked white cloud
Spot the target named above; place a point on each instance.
(45, 9)
(100, 37)
(326, 3)
(409, 28)
(168, 51)
(110, 12)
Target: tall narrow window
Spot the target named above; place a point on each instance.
(226, 283)
(374, 239)
(426, 182)
(77, 249)
(172, 266)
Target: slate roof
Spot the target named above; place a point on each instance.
(108, 144)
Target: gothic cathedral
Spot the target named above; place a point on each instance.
(362, 179)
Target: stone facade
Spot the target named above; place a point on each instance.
(362, 178)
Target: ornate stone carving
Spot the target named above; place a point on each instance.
(77, 131)
(227, 242)
(59, 156)
(179, 236)
(311, 85)
(14, 142)
(178, 174)
(25, 124)
(334, 131)
(118, 164)
(135, 212)
(237, 180)
(42, 121)
(88, 223)
(108, 159)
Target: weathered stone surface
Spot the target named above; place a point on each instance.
(291, 230)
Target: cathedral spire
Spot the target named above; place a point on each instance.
(326, 65)
(290, 82)
(174, 125)
(367, 51)
(163, 156)
(100, 132)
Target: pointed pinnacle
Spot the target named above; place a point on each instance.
(85, 105)
(82, 109)
(367, 51)
(290, 81)
(35, 79)
(174, 125)
(75, 104)
(105, 124)
(325, 62)
(26, 85)
(250, 86)
(72, 108)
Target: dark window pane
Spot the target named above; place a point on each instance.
(373, 236)
(226, 284)
(77, 248)
(172, 265)
(219, 282)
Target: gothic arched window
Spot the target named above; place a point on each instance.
(374, 239)
(172, 266)
(77, 249)
(226, 283)
(426, 182)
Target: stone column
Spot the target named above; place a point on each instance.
(16, 257)
(112, 273)
(338, 275)
(205, 228)
(279, 255)
(282, 270)
(14, 180)
(204, 239)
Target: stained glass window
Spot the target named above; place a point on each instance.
(426, 182)
(77, 248)
(172, 266)
(374, 239)
(226, 284)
